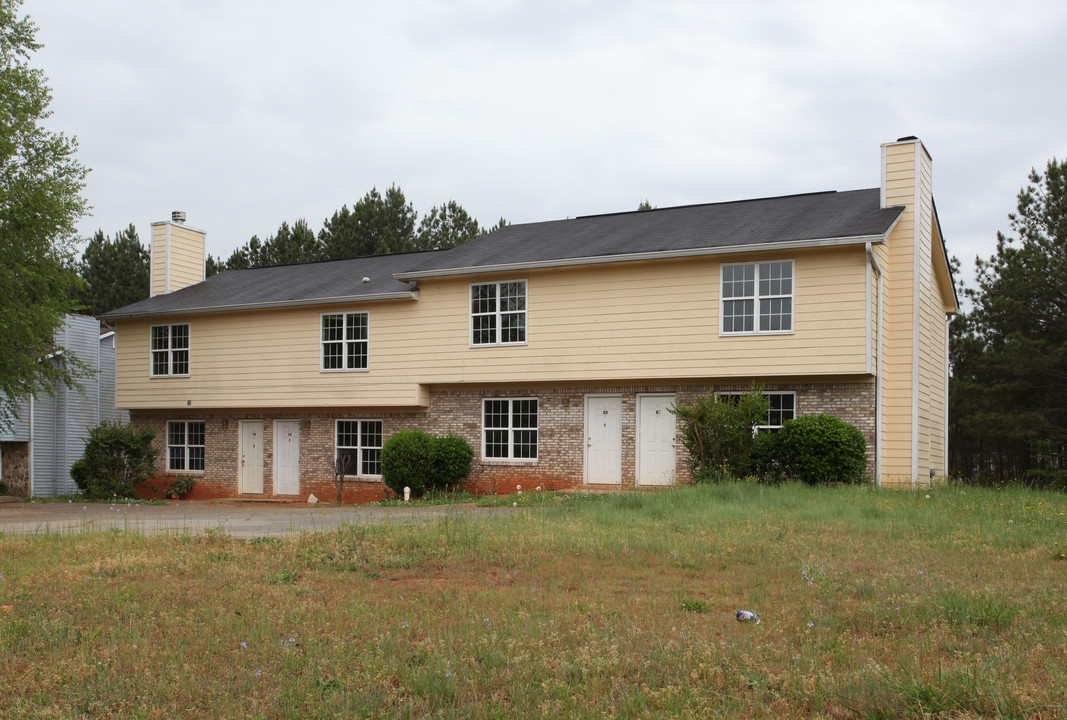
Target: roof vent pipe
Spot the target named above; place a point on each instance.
(178, 216)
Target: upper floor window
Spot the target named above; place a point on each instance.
(170, 350)
(359, 447)
(344, 341)
(498, 313)
(757, 297)
(185, 445)
(509, 428)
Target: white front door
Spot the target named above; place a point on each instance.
(603, 431)
(656, 440)
(286, 457)
(250, 478)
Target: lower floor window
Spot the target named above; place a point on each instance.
(185, 445)
(783, 407)
(509, 428)
(359, 447)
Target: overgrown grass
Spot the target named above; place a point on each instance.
(873, 605)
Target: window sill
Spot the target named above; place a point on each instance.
(526, 462)
(363, 478)
(166, 377)
(756, 333)
(324, 371)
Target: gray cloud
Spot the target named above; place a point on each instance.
(247, 114)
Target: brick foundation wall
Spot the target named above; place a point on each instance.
(561, 438)
(16, 467)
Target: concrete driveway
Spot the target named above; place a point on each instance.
(233, 518)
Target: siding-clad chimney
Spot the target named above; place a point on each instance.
(177, 255)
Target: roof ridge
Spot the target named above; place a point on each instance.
(713, 204)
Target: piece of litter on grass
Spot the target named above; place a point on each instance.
(747, 616)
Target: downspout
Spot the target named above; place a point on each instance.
(30, 450)
(873, 264)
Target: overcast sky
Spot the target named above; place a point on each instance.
(245, 114)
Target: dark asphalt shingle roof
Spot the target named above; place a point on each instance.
(793, 218)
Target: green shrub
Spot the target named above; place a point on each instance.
(408, 460)
(765, 463)
(180, 488)
(453, 460)
(821, 449)
(116, 458)
(4, 489)
(717, 432)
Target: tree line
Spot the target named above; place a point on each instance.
(378, 224)
(115, 271)
(1008, 388)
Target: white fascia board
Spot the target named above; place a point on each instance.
(637, 257)
(180, 225)
(244, 307)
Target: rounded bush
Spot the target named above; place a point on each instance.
(408, 460)
(822, 449)
(117, 458)
(766, 451)
(453, 461)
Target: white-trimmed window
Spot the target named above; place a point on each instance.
(509, 428)
(498, 313)
(170, 350)
(185, 445)
(344, 341)
(757, 297)
(359, 447)
(783, 407)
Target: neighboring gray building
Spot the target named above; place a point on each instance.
(36, 452)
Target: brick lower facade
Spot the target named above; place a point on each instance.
(561, 437)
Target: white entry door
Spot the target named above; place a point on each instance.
(250, 478)
(603, 431)
(656, 440)
(286, 457)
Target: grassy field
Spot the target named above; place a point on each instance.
(947, 603)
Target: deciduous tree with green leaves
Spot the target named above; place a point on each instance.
(41, 201)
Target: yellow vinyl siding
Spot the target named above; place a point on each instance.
(897, 366)
(159, 258)
(186, 257)
(651, 320)
(914, 407)
(177, 260)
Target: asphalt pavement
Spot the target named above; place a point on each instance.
(237, 519)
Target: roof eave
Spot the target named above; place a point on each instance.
(637, 257)
(246, 307)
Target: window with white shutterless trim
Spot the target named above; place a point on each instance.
(185, 445)
(498, 313)
(783, 407)
(756, 297)
(359, 447)
(344, 341)
(509, 428)
(170, 350)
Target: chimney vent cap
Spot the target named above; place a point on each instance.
(178, 216)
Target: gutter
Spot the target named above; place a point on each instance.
(876, 368)
(243, 307)
(30, 449)
(636, 257)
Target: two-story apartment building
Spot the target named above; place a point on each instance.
(556, 348)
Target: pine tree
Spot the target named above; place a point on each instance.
(114, 273)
